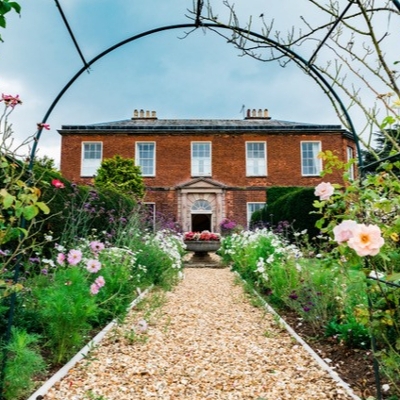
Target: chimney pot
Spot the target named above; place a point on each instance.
(257, 114)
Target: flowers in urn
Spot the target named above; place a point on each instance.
(201, 236)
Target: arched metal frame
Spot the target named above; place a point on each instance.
(305, 65)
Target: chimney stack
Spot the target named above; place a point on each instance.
(141, 114)
(257, 114)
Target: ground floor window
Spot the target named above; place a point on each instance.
(252, 207)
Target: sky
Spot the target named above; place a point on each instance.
(179, 75)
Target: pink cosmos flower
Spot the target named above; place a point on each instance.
(94, 289)
(344, 231)
(61, 258)
(93, 266)
(324, 190)
(57, 184)
(366, 240)
(96, 246)
(74, 257)
(100, 282)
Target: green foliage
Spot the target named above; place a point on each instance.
(5, 7)
(77, 211)
(23, 363)
(274, 267)
(121, 175)
(351, 333)
(276, 192)
(66, 306)
(296, 207)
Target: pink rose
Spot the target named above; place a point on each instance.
(366, 240)
(344, 231)
(324, 190)
(57, 184)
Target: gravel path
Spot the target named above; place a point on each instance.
(205, 342)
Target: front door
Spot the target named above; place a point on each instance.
(201, 222)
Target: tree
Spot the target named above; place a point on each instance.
(5, 7)
(122, 175)
(385, 150)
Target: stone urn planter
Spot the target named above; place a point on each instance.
(201, 250)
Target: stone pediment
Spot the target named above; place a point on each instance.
(201, 183)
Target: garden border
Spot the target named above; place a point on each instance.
(325, 366)
(61, 373)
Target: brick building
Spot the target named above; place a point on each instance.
(202, 171)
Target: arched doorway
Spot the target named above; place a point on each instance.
(201, 216)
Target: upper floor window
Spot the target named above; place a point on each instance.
(92, 154)
(256, 159)
(310, 163)
(201, 159)
(350, 156)
(145, 158)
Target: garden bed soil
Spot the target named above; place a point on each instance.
(354, 366)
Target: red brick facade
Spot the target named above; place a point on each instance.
(174, 190)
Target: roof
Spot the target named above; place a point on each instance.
(152, 124)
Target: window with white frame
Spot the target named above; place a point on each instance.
(145, 158)
(256, 159)
(252, 207)
(201, 159)
(350, 156)
(311, 165)
(92, 154)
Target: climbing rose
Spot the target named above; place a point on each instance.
(57, 184)
(366, 240)
(10, 101)
(43, 126)
(344, 231)
(324, 190)
(74, 257)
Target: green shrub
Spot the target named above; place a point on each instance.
(296, 207)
